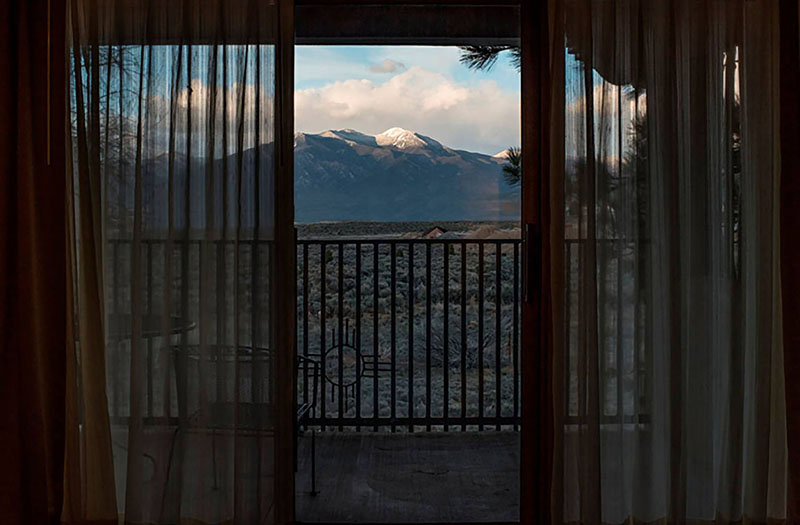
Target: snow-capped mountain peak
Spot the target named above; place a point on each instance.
(401, 139)
(350, 136)
(501, 154)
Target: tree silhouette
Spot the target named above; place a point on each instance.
(483, 58)
(512, 170)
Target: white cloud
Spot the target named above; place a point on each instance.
(209, 105)
(481, 117)
(316, 66)
(388, 66)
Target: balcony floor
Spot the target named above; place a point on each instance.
(425, 477)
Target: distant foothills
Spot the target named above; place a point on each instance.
(397, 175)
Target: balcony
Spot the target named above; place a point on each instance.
(417, 410)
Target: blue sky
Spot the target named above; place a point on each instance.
(424, 89)
(316, 66)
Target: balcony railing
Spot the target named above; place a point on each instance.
(412, 334)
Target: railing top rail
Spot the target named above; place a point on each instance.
(336, 241)
(333, 241)
(347, 240)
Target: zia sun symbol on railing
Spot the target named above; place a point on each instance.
(343, 365)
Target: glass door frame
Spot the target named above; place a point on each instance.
(536, 360)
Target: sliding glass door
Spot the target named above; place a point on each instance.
(182, 256)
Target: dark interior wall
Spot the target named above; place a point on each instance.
(350, 22)
(410, 24)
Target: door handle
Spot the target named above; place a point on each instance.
(533, 261)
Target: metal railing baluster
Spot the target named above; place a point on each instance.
(464, 334)
(340, 311)
(481, 385)
(358, 332)
(515, 336)
(149, 249)
(498, 310)
(428, 290)
(375, 332)
(305, 323)
(411, 335)
(115, 371)
(446, 336)
(393, 314)
(322, 328)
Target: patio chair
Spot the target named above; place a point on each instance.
(221, 413)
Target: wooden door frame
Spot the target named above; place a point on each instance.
(536, 454)
(283, 293)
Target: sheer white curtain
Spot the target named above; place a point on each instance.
(665, 186)
(172, 405)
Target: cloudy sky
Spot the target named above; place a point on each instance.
(424, 89)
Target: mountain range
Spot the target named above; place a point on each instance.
(340, 175)
(397, 175)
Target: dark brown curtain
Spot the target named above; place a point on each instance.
(32, 264)
(790, 245)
